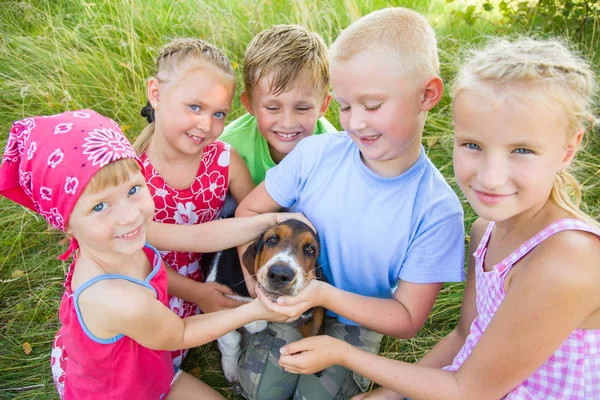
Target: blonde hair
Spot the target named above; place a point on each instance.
(540, 72)
(186, 54)
(286, 53)
(112, 174)
(399, 31)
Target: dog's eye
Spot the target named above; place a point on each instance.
(271, 239)
(309, 249)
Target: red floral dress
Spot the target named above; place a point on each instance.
(201, 202)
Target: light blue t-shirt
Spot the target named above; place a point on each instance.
(373, 230)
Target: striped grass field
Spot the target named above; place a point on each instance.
(69, 54)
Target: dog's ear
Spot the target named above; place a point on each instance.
(249, 256)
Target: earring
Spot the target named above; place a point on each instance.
(561, 171)
(155, 105)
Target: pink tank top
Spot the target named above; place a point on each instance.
(573, 371)
(87, 367)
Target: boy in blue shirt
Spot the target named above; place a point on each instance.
(391, 228)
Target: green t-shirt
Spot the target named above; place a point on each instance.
(244, 136)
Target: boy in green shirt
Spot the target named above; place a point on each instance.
(286, 94)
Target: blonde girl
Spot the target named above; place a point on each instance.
(187, 171)
(530, 320)
(80, 173)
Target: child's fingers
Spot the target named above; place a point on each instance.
(359, 396)
(298, 346)
(223, 288)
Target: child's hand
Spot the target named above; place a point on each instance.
(211, 297)
(379, 394)
(310, 296)
(264, 310)
(312, 354)
(284, 216)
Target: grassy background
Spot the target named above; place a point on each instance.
(70, 54)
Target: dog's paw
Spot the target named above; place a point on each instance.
(256, 326)
(230, 369)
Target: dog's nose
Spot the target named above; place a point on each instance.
(280, 275)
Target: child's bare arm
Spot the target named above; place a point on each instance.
(240, 181)
(401, 316)
(208, 296)
(122, 307)
(210, 236)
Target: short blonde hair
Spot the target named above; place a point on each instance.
(286, 53)
(399, 31)
(541, 72)
(113, 174)
(182, 55)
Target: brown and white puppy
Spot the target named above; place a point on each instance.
(283, 260)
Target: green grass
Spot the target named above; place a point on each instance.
(61, 54)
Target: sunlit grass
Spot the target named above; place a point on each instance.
(68, 54)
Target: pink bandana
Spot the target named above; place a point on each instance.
(49, 160)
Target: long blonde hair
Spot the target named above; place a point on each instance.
(548, 71)
(191, 53)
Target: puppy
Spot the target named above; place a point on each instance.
(283, 260)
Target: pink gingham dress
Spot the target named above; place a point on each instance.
(573, 371)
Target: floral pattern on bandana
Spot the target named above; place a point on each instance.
(105, 145)
(47, 173)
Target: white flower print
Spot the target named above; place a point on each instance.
(19, 134)
(176, 305)
(185, 214)
(104, 145)
(46, 193)
(63, 128)
(25, 182)
(55, 158)
(223, 160)
(81, 114)
(216, 187)
(71, 184)
(31, 150)
(53, 217)
(161, 192)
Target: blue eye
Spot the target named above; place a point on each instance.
(134, 190)
(99, 207)
(220, 115)
(523, 151)
(194, 107)
(472, 146)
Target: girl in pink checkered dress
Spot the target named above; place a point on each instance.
(529, 326)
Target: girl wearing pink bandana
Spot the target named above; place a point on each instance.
(80, 173)
(189, 172)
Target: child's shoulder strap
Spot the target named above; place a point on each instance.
(555, 227)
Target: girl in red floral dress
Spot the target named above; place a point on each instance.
(187, 171)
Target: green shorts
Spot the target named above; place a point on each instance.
(261, 377)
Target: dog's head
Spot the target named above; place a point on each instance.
(284, 258)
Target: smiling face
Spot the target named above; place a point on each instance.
(191, 110)
(507, 154)
(113, 220)
(285, 118)
(383, 112)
